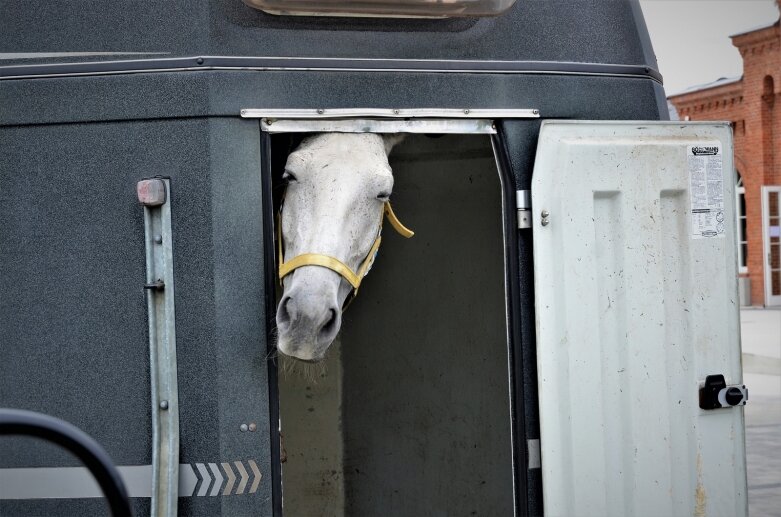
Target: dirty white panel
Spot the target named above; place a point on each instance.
(634, 309)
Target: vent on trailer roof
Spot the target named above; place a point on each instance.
(384, 8)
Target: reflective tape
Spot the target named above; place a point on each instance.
(78, 483)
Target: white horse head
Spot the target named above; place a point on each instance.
(338, 185)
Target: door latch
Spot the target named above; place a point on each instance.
(715, 393)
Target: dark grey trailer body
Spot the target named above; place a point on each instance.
(95, 97)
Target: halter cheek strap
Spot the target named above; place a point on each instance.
(316, 259)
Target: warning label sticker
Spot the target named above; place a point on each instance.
(706, 187)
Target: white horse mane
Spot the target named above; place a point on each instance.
(337, 185)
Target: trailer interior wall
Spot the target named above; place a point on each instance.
(411, 415)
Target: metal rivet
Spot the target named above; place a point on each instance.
(466, 112)
(158, 239)
(544, 217)
(163, 405)
(320, 111)
(253, 427)
(395, 112)
(199, 60)
(544, 213)
(243, 428)
(536, 112)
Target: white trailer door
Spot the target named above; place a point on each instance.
(635, 265)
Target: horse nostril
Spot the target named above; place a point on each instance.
(283, 313)
(330, 327)
(330, 322)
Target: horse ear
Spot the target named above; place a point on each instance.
(391, 140)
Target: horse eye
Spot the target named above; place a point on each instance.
(288, 177)
(383, 196)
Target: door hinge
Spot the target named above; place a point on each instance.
(523, 205)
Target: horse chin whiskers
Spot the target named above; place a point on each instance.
(310, 371)
(273, 350)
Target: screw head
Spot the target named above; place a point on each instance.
(320, 111)
(199, 60)
(163, 405)
(158, 239)
(395, 112)
(544, 213)
(253, 427)
(466, 112)
(243, 428)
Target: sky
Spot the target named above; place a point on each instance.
(691, 37)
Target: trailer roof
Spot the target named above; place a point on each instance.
(531, 35)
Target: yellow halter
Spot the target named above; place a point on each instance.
(334, 264)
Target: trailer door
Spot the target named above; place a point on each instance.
(636, 306)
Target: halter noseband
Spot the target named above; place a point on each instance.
(316, 259)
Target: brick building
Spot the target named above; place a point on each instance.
(753, 104)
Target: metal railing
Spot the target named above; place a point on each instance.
(77, 442)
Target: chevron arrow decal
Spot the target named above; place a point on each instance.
(256, 471)
(195, 479)
(231, 478)
(209, 479)
(206, 479)
(217, 479)
(244, 477)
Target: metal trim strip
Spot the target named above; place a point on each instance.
(439, 126)
(211, 63)
(393, 113)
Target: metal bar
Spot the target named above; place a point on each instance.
(425, 126)
(99, 467)
(392, 113)
(154, 195)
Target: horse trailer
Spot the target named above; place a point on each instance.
(560, 337)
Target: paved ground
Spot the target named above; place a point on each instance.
(761, 337)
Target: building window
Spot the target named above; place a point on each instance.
(740, 213)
